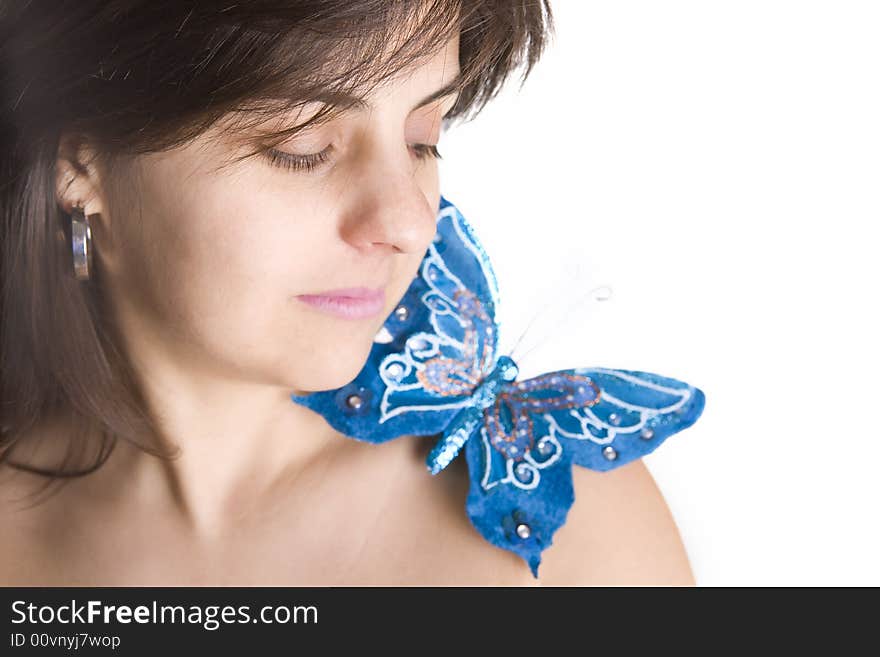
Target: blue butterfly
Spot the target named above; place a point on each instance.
(435, 369)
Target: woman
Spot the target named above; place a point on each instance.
(230, 161)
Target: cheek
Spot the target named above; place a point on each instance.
(218, 267)
(222, 283)
(227, 296)
(239, 284)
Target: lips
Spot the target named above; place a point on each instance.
(348, 303)
(351, 293)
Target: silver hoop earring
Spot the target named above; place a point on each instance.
(81, 239)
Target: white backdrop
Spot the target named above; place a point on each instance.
(717, 165)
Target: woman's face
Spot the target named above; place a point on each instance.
(207, 265)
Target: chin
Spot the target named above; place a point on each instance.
(336, 368)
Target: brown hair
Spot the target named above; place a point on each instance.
(140, 76)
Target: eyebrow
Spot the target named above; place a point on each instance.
(447, 89)
(358, 103)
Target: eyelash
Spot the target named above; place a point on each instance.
(314, 160)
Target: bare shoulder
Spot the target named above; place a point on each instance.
(32, 513)
(21, 525)
(619, 531)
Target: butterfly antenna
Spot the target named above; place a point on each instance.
(547, 302)
(600, 293)
(571, 270)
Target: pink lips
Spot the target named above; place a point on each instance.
(348, 303)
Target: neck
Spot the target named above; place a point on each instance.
(236, 440)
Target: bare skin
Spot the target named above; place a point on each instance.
(360, 514)
(202, 278)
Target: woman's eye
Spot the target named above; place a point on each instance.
(426, 150)
(312, 161)
(297, 162)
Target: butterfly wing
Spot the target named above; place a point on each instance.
(520, 468)
(433, 349)
(636, 412)
(506, 516)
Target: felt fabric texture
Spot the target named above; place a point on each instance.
(434, 369)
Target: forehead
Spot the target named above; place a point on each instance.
(433, 77)
(436, 76)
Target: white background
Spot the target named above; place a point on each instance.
(717, 165)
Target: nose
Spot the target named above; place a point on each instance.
(392, 206)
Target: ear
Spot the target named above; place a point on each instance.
(78, 182)
(76, 176)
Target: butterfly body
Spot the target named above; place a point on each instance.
(437, 371)
(464, 424)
